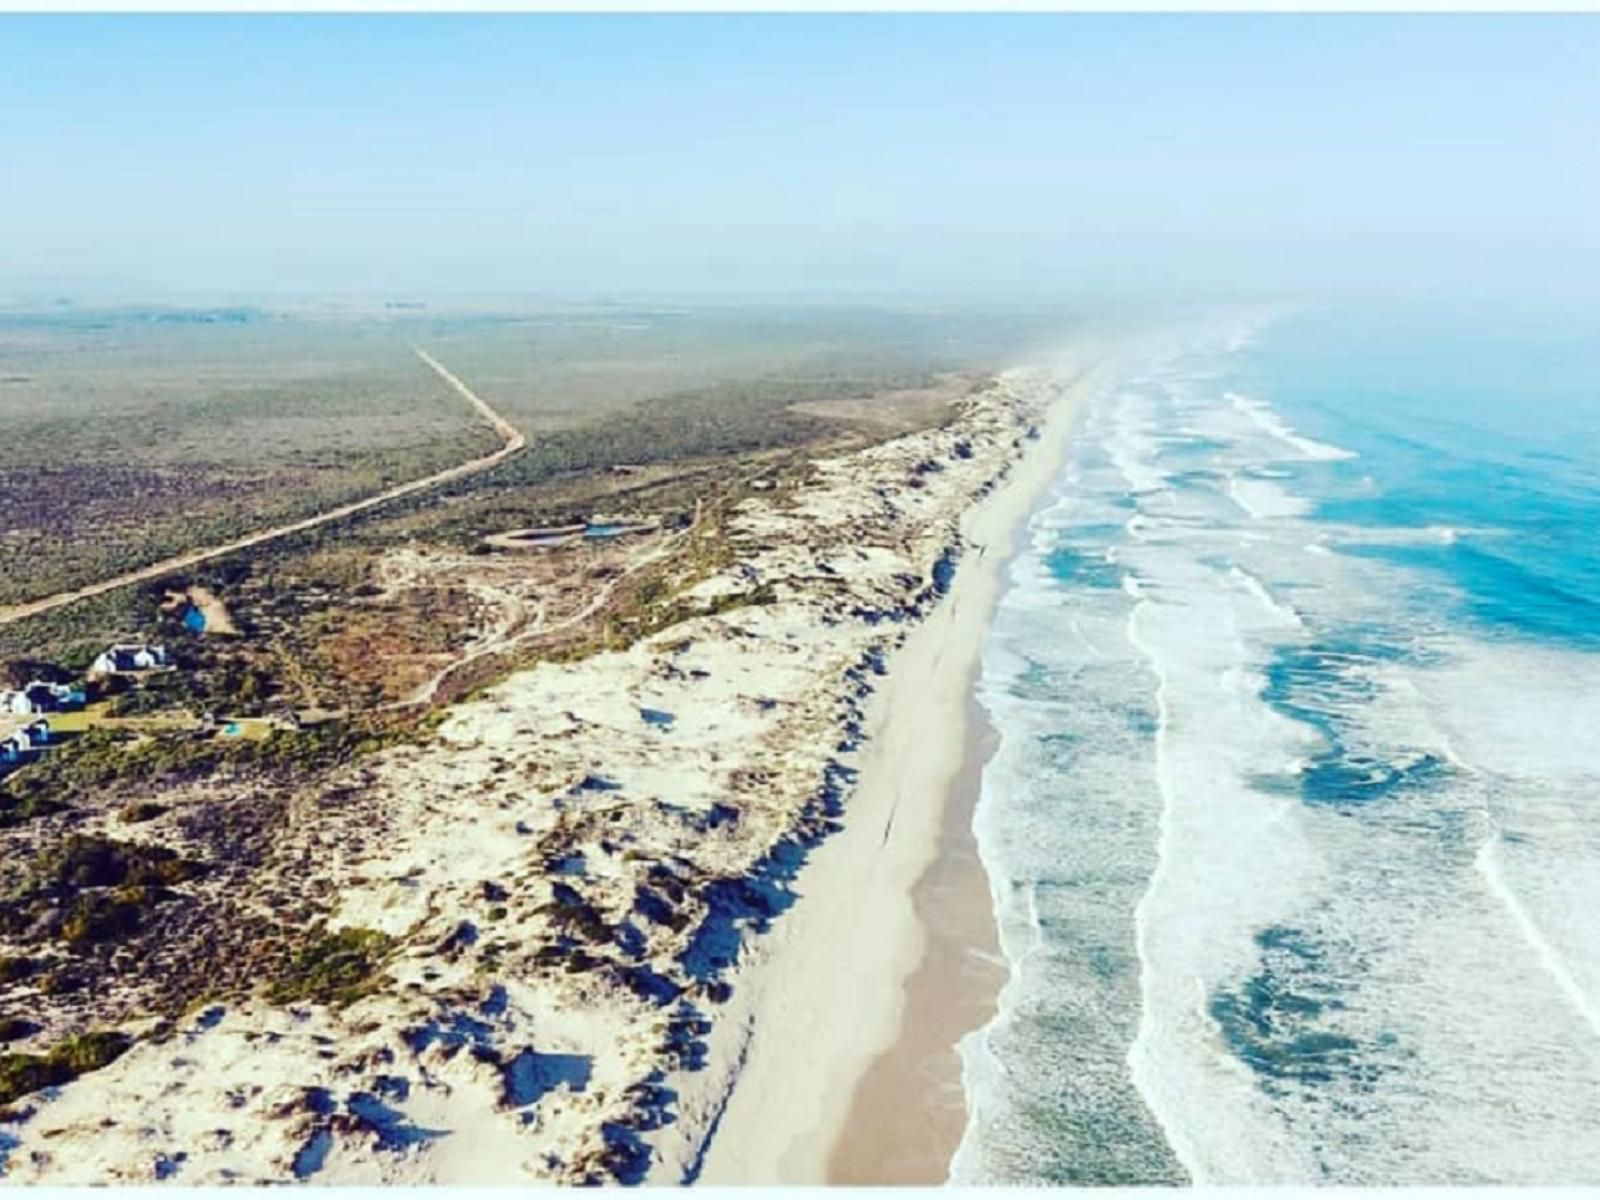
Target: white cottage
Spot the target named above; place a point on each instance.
(126, 660)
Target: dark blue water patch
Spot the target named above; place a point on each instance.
(496, 1002)
(944, 570)
(1092, 532)
(1464, 423)
(194, 620)
(1201, 478)
(1325, 686)
(1287, 1022)
(1197, 443)
(8, 1143)
(1508, 584)
(657, 718)
(1144, 723)
(168, 1166)
(1340, 777)
(312, 1156)
(212, 1017)
(1072, 566)
(530, 1076)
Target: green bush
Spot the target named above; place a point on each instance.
(22, 1074)
(334, 968)
(86, 861)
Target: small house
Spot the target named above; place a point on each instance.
(128, 660)
(13, 746)
(36, 734)
(41, 697)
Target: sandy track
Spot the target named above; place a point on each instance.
(513, 439)
(517, 633)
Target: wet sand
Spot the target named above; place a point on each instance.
(909, 1110)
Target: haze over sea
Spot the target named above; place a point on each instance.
(1292, 828)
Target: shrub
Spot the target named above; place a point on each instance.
(334, 968)
(84, 861)
(21, 1074)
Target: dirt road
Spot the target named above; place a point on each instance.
(513, 439)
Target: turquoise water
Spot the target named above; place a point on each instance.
(1294, 827)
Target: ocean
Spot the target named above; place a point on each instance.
(1294, 824)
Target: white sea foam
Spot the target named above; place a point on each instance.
(1152, 816)
(1264, 500)
(1281, 612)
(1264, 416)
(1230, 859)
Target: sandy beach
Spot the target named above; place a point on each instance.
(850, 1072)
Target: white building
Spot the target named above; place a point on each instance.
(127, 660)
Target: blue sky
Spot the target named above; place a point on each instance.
(939, 153)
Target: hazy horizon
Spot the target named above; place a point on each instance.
(936, 156)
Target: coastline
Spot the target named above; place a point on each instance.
(591, 874)
(849, 1039)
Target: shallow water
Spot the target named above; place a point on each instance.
(1293, 827)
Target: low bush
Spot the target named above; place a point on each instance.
(334, 968)
(22, 1074)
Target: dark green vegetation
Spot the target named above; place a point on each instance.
(334, 968)
(92, 889)
(21, 1074)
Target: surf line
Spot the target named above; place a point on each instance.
(1141, 1052)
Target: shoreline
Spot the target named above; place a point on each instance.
(909, 1110)
(610, 908)
(837, 1030)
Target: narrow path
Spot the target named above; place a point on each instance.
(513, 442)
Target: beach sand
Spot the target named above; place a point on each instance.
(855, 1003)
(909, 1109)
